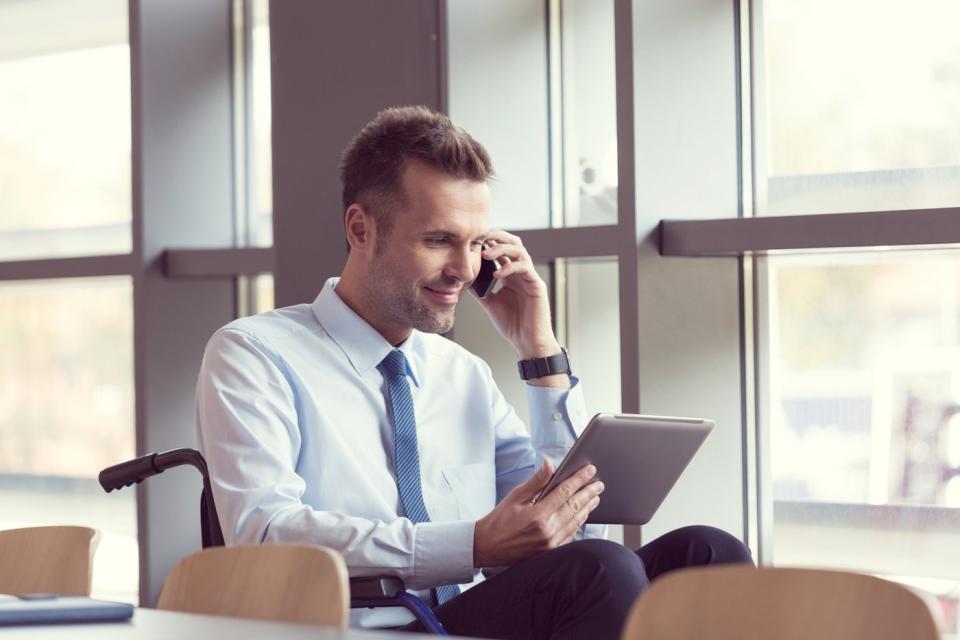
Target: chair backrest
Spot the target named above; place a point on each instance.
(47, 560)
(746, 603)
(285, 582)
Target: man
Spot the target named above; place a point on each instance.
(351, 423)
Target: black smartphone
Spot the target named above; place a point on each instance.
(483, 283)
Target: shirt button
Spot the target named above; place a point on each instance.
(557, 416)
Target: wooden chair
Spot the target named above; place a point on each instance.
(745, 603)
(284, 582)
(47, 560)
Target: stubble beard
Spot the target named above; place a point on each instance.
(399, 301)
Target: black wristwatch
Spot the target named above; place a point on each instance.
(540, 367)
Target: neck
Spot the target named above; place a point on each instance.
(350, 290)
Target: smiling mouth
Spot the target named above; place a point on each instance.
(444, 295)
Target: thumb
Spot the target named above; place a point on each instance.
(529, 489)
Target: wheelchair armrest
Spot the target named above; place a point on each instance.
(375, 587)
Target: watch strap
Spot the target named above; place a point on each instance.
(548, 366)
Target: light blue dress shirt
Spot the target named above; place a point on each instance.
(292, 419)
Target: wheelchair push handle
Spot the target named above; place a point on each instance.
(130, 472)
(139, 469)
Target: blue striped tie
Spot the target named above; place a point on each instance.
(406, 457)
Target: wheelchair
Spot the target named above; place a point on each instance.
(371, 592)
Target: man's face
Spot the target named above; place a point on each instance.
(419, 270)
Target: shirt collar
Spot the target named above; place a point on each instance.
(363, 345)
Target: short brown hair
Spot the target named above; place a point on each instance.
(372, 164)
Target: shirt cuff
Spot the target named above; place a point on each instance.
(557, 416)
(443, 554)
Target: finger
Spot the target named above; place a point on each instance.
(583, 497)
(527, 491)
(506, 252)
(568, 531)
(522, 268)
(501, 236)
(554, 500)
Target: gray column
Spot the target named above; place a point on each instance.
(182, 197)
(687, 163)
(335, 64)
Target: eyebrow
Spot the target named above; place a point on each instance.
(446, 234)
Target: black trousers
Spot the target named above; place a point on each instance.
(581, 590)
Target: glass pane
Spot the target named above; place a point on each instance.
(255, 294)
(67, 412)
(593, 330)
(864, 378)
(539, 91)
(65, 154)
(262, 208)
(263, 293)
(497, 71)
(860, 106)
(589, 113)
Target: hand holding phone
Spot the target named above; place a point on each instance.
(484, 282)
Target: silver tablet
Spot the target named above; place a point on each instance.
(639, 458)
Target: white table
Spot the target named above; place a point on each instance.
(150, 624)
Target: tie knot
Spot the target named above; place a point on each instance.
(395, 364)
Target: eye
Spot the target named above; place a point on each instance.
(476, 246)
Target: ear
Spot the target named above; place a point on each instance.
(360, 228)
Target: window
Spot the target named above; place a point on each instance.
(256, 294)
(64, 129)
(252, 123)
(66, 410)
(864, 404)
(587, 323)
(588, 112)
(552, 128)
(514, 127)
(253, 145)
(857, 105)
(261, 208)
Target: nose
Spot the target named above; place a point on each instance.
(462, 265)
